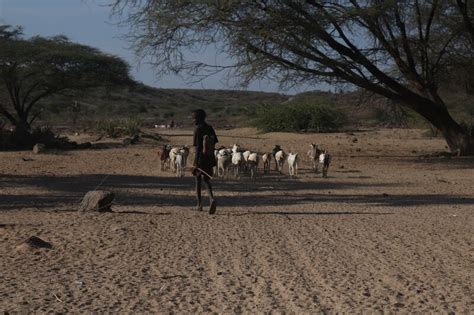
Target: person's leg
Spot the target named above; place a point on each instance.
(207, 181)
(212, 201)
(198, 192)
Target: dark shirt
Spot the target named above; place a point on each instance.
(200, 131)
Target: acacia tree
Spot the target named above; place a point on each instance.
(33, 69)
(394, 48)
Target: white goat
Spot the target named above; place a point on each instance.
(235, 148)
(274, 151)
(325, 160)
(293, 164)
(280, 160)
(223, 162)
(237, 161)
(225, 151)
(173, 154)
(252, 163)
(266, 158)
(246, 155)
(179, 165)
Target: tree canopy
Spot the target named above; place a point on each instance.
(397, 49)
(32, 69)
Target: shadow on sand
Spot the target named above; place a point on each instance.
(67, 191)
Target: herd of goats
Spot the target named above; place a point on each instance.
(239, 161)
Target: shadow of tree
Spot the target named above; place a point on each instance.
(171, 191)
(288, 213)
(442, 162)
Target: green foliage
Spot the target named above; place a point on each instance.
(114, 128)
(131, 126)
(142, 108)
(32, 69)
(109, 128)
(299, 117)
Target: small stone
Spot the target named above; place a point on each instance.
(34, 242)
(39, 148)
(97, 201)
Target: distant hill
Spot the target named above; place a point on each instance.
(230, 107)
(156, 105)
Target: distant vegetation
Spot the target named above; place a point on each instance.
(299, 117)
(154, 105)
(114, 128)
(34, 70)
(72, 99)
(415, 47)
(232, 108)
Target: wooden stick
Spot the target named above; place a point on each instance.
(59, 300)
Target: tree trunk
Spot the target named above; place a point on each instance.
(457, 138)
(22, 124)
(23, 133)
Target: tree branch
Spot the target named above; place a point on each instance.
(9, 116)
(462, 6)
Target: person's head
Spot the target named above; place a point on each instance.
(199, 115)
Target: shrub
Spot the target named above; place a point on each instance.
(13, 140)
(131, 126)
(142, 108)
(299, 117)
(119, 127)
(108, 127)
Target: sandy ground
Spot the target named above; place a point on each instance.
(389, 230)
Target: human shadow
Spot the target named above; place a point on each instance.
(79, 184)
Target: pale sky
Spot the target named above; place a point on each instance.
(88, 22)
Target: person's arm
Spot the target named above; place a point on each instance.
(197, 143)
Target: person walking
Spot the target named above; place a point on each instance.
(204, 140)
